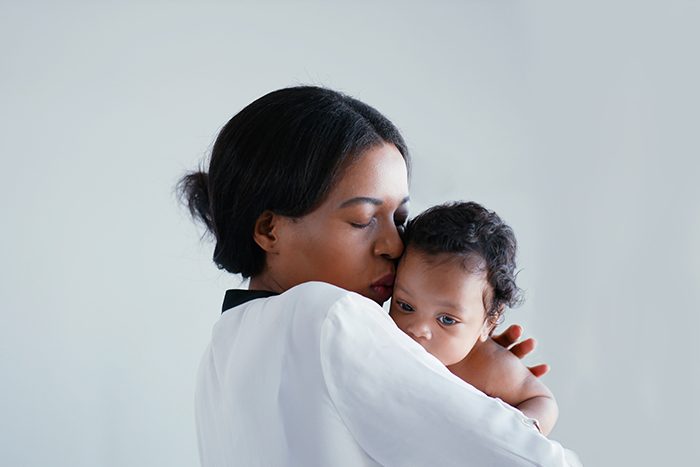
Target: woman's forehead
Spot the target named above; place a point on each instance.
(379, 174)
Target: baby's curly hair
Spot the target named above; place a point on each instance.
(480, 239)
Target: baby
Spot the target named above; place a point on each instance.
(453, 283)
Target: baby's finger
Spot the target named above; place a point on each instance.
(539, 370)
(521, 349)
(509, 337)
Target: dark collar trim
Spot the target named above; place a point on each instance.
(235, 297)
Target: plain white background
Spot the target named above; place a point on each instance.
(576, 121)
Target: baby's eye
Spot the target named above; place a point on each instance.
(446, 320)
(404, 306)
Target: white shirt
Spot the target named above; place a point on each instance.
(319, 376)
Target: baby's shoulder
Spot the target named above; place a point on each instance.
(492, 368)
(503, 360)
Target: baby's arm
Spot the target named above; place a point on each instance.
(498, 373)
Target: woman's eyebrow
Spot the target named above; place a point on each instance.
(367, 200)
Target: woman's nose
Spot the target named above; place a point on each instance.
(389, 243)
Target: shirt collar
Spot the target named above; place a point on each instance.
(235, 297)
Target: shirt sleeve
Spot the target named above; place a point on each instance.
(405, 408)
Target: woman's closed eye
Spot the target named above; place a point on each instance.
(447, 320)
(399, 221)
(363, 225)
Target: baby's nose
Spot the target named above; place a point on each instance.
(420, 332)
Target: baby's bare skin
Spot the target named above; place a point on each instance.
(497, 372)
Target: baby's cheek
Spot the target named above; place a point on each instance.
(400, 320)
(397, 319)
(392, 311)
(454, 350)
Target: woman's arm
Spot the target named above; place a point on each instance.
(405, 408)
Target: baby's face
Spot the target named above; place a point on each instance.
(440, 305)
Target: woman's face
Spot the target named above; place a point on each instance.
(351, 240)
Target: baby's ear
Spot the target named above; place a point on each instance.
(490, 324)
(486, 330)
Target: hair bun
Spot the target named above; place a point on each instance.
(193, 190)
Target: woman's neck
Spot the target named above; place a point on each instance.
(265, 281)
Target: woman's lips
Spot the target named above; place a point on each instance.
(383, 287)
(382, 292)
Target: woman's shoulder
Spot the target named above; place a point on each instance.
(319, 301)
(305, 310)
(324, 296)
(335, 308)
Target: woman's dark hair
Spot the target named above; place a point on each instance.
(282, 153)
(479, 239)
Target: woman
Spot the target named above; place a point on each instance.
(306, 194)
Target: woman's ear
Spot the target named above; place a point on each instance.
(265, 231)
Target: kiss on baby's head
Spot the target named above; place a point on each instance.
(455, 279)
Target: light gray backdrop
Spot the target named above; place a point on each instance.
(576, 121)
